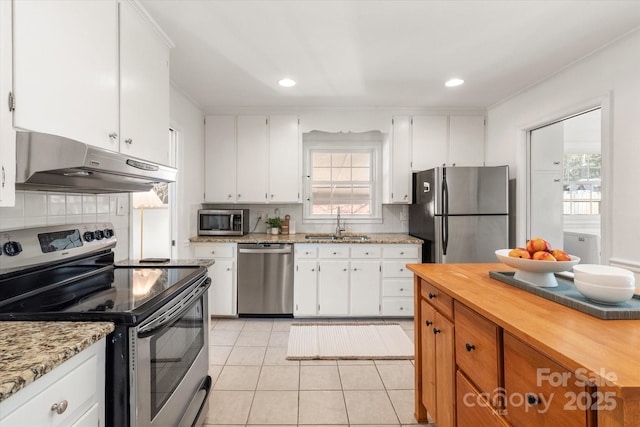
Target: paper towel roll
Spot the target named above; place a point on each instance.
(292, 226)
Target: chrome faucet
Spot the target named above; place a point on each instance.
(338, 228)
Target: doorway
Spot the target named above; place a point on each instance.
(565, 184)
(153, 216)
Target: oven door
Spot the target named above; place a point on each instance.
(169, 368)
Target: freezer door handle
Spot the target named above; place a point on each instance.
(445, 213)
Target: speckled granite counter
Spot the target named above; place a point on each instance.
(28, 350)
(377, 238)
(170, 263)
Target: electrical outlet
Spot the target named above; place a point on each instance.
(261, 215)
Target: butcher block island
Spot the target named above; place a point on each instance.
(490, 354)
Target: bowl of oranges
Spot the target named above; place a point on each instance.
(538, 262)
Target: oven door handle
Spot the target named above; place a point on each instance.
(174, 313)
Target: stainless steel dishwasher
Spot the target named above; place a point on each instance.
(265, 279)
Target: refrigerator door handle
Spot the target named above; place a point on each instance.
(445, 213)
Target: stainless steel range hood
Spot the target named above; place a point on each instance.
(53, 163)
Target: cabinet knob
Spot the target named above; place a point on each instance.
(313, 269)
(239, 195)
(366, 253)
(406, 196)
(469, 347)
(556, 163)
(402, 269)
(428, 322)
(113, 135)
(436, 331)
(272, 196)
(128, 141)
(228, 269)
(213, 252)
(401, 253)
(401, 308)
(431, 296)
(335, 253)
(532, 399)
(401, 289)
(355, 269)
(344, 269)
(59, 407)
(228, 196)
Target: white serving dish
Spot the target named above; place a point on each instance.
(604, 294)
(538, 273)
(604, 275)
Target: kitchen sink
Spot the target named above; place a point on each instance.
(350, 237)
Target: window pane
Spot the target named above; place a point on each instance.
(362, 192)
(361, 174)
(361, 160)
(341, 160)
(342, 193)
(344, 209)
(321, 209)
(321, 159)
(362, 208)
(321, 174)
(341, 174)
(321, 193)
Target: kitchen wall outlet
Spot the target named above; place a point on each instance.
(120, 206)
(261, 215)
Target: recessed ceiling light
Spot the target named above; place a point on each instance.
(286, 82)
(453, 82)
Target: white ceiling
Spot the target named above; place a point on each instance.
(384, 53)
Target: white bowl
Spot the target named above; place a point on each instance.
(536, 272)
(604, 275)
(603, 294)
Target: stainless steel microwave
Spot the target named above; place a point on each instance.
(223, 222)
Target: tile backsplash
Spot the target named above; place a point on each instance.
(38, 209)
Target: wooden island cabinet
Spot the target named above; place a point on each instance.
(490, 354)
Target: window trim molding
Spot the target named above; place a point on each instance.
(346, 142)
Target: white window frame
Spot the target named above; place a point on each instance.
(347, 143)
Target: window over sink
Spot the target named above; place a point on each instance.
(342, 172)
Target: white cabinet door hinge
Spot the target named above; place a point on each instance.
(12, 102)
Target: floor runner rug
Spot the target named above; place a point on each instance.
(348, 341)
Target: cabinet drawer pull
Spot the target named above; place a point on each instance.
(335, 253)
(431, 296)
(402, 253)
(401, 308)
(113, 135)
(428, 322)
(532, 399)
(556, 163)
(355, 269)
(436, 331)
(60, 407)
(401, 289)
(469, 347)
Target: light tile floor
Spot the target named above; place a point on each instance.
(255, 385)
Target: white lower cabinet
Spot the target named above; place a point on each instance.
(77, 385)
(359, 280)
(333, 288)
(223, 291)
(397, 280)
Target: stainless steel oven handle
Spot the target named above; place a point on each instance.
(175, 312)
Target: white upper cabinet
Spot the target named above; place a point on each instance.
(400, 172)
(66, 69)
(252, 159)
(220, 159)
(429, 142)
(466, 140)
(7, 133)
(284, 159)
(144, 87)
(447, 140)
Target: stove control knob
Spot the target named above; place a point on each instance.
(12, 248)
(88, 236)
(108, 233)
(99, 234)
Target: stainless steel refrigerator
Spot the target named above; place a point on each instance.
(462, 213)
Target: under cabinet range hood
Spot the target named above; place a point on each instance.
(53, 163)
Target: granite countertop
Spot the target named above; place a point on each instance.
(28, 350)
(169, 263)
(378, 238)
